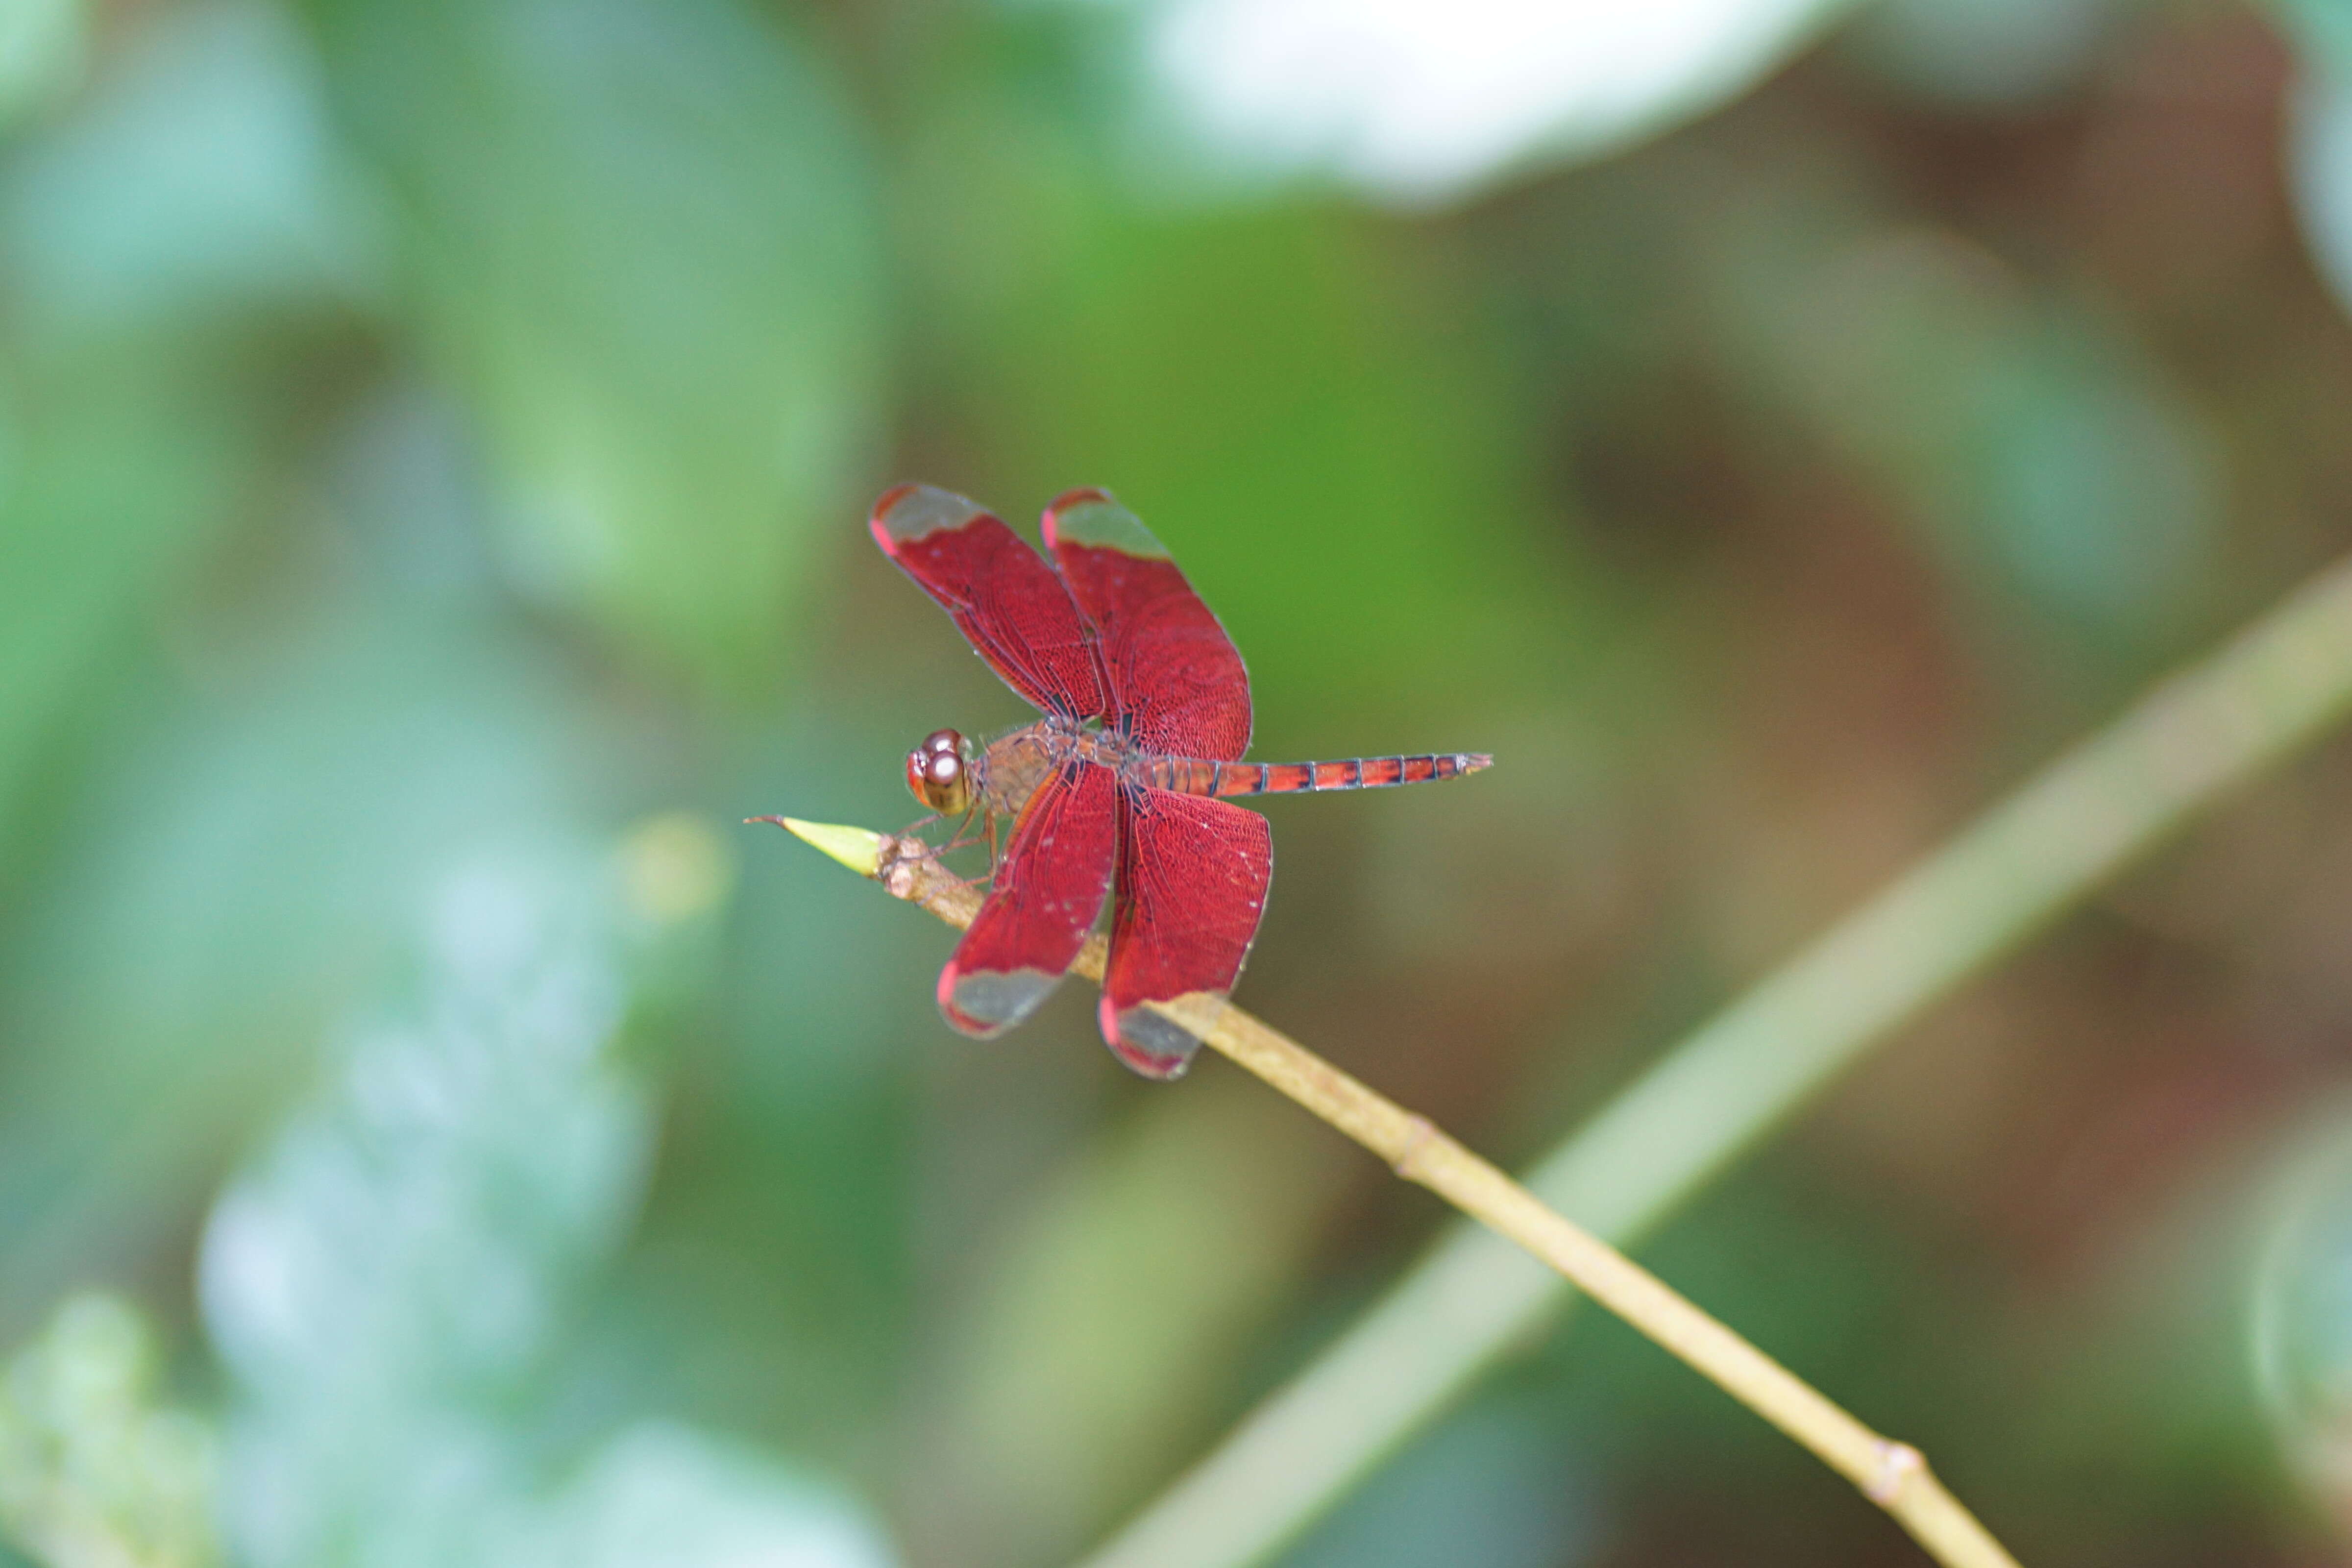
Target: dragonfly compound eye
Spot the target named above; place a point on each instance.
(936, 774)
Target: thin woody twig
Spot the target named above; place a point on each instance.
(1892, 1475)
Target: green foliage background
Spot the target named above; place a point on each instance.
(435, 437)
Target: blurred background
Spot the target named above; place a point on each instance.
(435, 441)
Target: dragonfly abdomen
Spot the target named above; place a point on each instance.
(1195, 775)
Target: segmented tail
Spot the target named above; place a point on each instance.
(1193, 775)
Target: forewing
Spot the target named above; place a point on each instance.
(1176, 683)
(1193, 875)
(1012, 606)
(1048, 888)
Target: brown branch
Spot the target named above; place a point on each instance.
(1892, 1475)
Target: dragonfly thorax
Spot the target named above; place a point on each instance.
(940, 773)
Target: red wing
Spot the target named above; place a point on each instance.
(1048, 889)
(1006, 601)
(1176, 683)
(1192, 875)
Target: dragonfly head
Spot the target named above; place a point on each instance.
(940, 773)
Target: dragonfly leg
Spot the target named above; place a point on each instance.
(965, 839)
(912, 833)
(909, 846)
(962, 837)
(916, 848)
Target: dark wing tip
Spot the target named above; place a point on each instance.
(1095, 518)
(984, 1003)
(909, 512)
(1153, 1045)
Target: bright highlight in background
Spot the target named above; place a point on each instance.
(1418, 102)
(2301, 1319)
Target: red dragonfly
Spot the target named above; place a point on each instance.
(1122, 784)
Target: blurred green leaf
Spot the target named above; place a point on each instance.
(42, 43)
(2300, 1316)
(94, 1472)
(393, 1283)
(640, 241)
(2320, 158)
(661, 1495)
(200, 176)
(194, 193)
(1494, 1487)
(1297, 402)
(2322, 30)
(1314, 443)
(1982, 54)
(116, 470)
(386, 1279)
(2021, 423)
(319, 779)
(1123, 1299)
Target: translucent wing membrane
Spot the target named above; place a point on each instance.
(1048, 888)
(1009, 604)
(1176, 683)
(1193, 877)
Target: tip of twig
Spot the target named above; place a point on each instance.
(858, 848)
